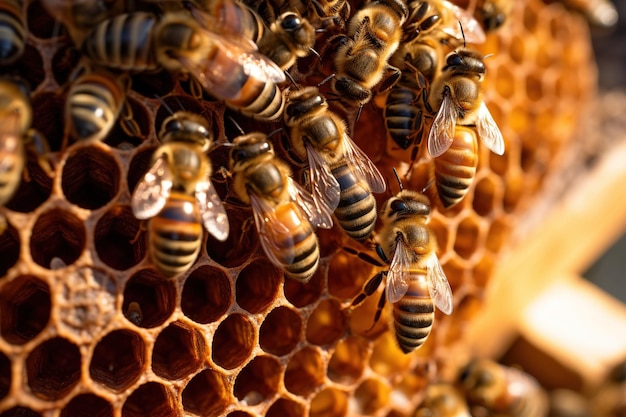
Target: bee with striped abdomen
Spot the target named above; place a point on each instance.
(12, 31)
(342, 176)
(177, 195)
(442, 400)
(284, 212)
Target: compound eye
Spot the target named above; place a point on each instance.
(291, 21)
(398, 205)
(454, 60)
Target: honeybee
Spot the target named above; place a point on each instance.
(503, 390)
(283, 211)
(78, 16)
(93, 104)
(362, 59)
(442, 400)
(13, 33)
(440, 19)
(415, 281)
(493, 13)
(177, 195)
(342, 176)
(324, 10)
(457, 93)
(228, 67)
(455, 168)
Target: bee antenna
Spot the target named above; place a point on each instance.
(317, 54)
(275, 132)
(234, 122)
(163, 103)
(395, 172)
(325, 80)
(358, 113)
(291, 80)
(462, 33)
(428, 185)
(488, 56)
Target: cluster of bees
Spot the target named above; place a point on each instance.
(242, 54)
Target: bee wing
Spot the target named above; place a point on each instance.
(363, 165)
(274, 236)
(324, 185)
(318, 213)
(153, 190)
(438, 286)
(488, 130)
(441, 133)
(472, 30)
(212, 210)
(398, 275)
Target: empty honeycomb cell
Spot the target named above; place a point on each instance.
(9, 248)
(302, 294)
(39, 22)
(118, 359)
(442, 233)
(513, 192)
(87, 405)
(499, 164)
(132, 126)
(116, 240)
(517, 119)
(530, 18)
(242, 238)
(28, 68)
(505, 82)
(348, 360)
(20, 412)
(25, 305)
(257, 285)
(5, 375)
(233, 341)
(482, 271)
(281, 331)
(90, 178)
(371, 395)
(484, 196)
(326, 324)
(178, 351)
(64, 60)
(206, 295)
(455, 271)
(534, 87)
(49, 108)
(151, 399)
(305, 372)
(387, 359)
(285, 408)
(53, 368)
(156, 297)
(467, 238)
(206, 394)
(347, 274)
(329, 402)
(57, 234)
(139, 165)
(517, 49)
(34, 189)
(258, 380)
(498, 234)
(157, 84)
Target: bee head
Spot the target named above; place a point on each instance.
(249, 147)
(302, 102)
(185, 126)
(407, 203)
(465, 61)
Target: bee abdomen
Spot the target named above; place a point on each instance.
(402, 118)
(456, 168)
(356, 211)
(123, 42)
(413, 321)
(266, 102)
(307, 259)
(12, 31)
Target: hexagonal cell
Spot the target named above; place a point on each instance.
(57, 234)
(505, 82)
(87, 405)
(20, 412)
(133, 125)
(155, 297)
(9, 248)
(28, 67)
(207, 295)
(242, 239)
(387, 359)
(114, 238)
(534, 87)
(302, 294)
(482, 271)
(500, 164)
(371, 395)
(348, 360)
(233, 341)
(347, 274)
(207, 394)
(442, 232)
(305, 372)
(153, 84)
(178, 351)
(285, 408)
(484, 197)
(517, 49)
(40, 23)
(5, 375)
(151, 399)
(118, 360)
(326, 324)
(25, 305)
(49, 108)
(513, 192)
(64, 61)
(90, 178)
(258, 380)
(53, 368)
(33, 190)
(257, 286)
(281, 331)
(467, 238)
(139, 165)
(329, 402)
(497, 236)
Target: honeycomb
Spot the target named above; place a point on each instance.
(89, 327)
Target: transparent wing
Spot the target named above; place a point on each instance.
(153, 190)
(441, 133)
(398, 275)
(274, 236)
(324, 185)
(472, 30)
(318, 213)
(438, 285)
(212, 210)
(488, 130)
(363, 165)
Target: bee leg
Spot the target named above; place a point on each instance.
(128, 124)
(390, 80)
(381, 254)
(36, 143)
(379, 310)
(142, 228)
(370, 288)
(333, 44)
